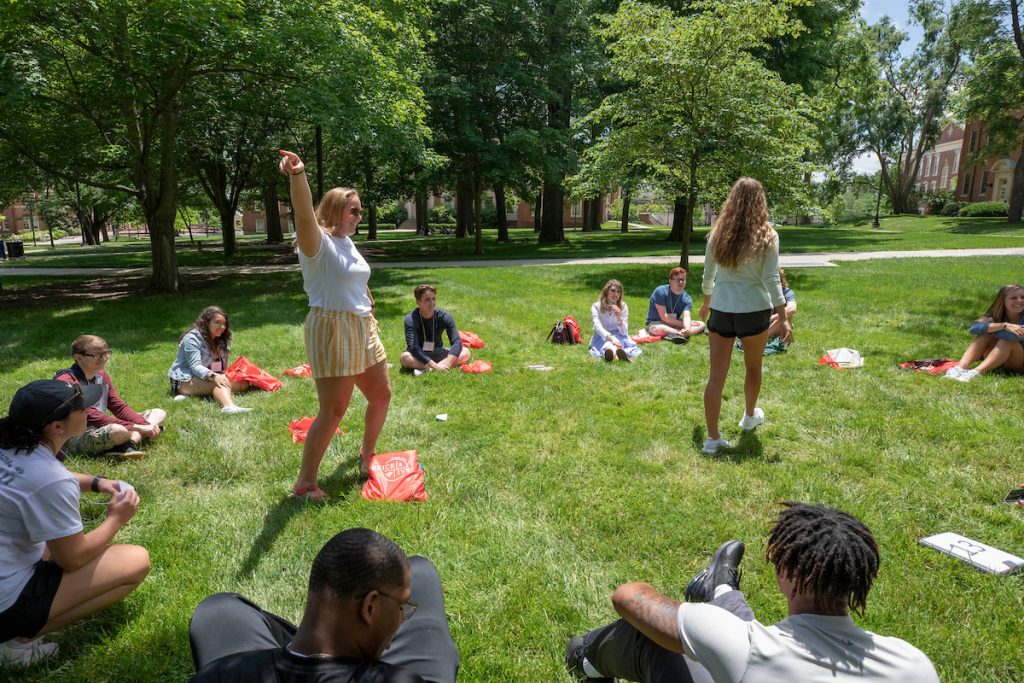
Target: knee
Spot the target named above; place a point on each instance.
(407, 360)
(156, 416)
(380, 396)
(464, 356)
(119, 434)
(240, 386)
(213, 609)
(134, 561)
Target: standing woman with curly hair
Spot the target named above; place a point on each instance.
(342, 342)
(741, 268)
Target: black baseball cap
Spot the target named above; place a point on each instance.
(39, 403)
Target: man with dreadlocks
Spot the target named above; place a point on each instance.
(356, 627)
(825, 561)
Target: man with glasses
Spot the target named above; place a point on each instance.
(113, 427)
(669, 313)
(358, 626)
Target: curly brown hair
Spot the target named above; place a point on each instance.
(202, 323)
(742, 232)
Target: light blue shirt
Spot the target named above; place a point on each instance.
(751, 286)
(195, 359)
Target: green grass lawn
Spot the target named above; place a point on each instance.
(896, 233)
(549, 489)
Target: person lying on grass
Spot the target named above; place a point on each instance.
(372, 615)
(999, 340)
(123, 430)
(825, 562)
(669, 312)
(202, 359)
(52, 573)
(424, 345)
(610, 316)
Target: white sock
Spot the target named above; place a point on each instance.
(589, 669)
(721, 589)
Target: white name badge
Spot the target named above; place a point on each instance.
(428, 346)
(217, 366)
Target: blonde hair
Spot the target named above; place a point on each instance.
(741, 232)
(603, 299)
(332, 207)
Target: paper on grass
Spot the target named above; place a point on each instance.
(976, 553)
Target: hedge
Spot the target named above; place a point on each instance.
(982, 209)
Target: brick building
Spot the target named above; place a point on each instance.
(940, 165)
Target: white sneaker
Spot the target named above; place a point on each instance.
(180, 397)
(232, 410)
(417, 372)
(711, 446)
(955, 372)
(968, 375)
(23, 654)
(750, 421)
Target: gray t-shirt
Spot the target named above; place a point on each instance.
(809, 648)
(38, 503)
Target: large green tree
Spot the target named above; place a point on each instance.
(701, 108)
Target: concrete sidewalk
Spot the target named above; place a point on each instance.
(817, 260)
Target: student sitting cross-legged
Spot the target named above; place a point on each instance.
(123, 430)
(424, 343)
(372, 615)
(825, 562)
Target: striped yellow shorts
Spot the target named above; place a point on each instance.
(341, 344)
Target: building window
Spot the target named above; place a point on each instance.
(261, 225)
(966, 190)
(577, 210)
(945, 176)
(974, 142)
(956, 161)
(984, 183)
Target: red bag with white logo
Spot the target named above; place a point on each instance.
(471, 340)
(395, 476)
(300, 371)
(244, 370)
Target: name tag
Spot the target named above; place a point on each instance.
(428, 346)
(217, 366)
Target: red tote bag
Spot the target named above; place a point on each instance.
(395, 476)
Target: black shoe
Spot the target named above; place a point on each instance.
(609, 355)
(574, 653)
(622, 355)
(724, 567)
(679, 339)
(129, 450)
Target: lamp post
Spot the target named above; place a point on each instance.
(878, 198)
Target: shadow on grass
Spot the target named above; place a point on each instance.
(339, 484)
(747, 448)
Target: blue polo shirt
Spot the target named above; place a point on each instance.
(674, 304)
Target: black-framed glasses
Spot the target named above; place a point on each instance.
(77, 396)
(101, 356)
(408, 606)
(678, 279)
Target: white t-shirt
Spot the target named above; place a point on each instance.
(809, 648)
(335, 278)
(38, 503)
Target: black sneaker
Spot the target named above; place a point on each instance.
(678, 339)
(574, 653)
(724, 567)
(129, 450)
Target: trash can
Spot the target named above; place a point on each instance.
(16, 250)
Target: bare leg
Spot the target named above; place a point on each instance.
(110, 576)
(753, 350)
(1004, 353)
(464, 356)
(120, 435)
(696, 327)
(976, 350)
(376, 388)
(334, 394)
(156, 416)
(410, 361)
(721, 353)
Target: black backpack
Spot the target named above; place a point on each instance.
(561, 334)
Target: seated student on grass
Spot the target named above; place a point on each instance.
(999, 340)
(51, 572)
(669, 312)
(424, 344)
(775, 325)
(825, 562)
(198, 369)
(610, 316)
(372, 614)
(123, 430)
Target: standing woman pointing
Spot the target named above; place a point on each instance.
(342, 344)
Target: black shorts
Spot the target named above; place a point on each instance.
(28, 615)
(437, 355)
(739, 324)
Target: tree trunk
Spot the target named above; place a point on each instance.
(537, 207)
(161, 237)
(227, 230)
(272, 210)
(687, 226)
(552, 229)
(422, 212)
(1017, 195)
(463, 206)
(595, 214)
(319, 164)
(678, 218)
(585, 218)
(478, 200)
(371, 232)
(160, 202)
(625, 211)
(499, 205)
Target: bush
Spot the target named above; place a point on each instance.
(938, 201)
(392, 213)
(441, 214)
(59, 234)
(363, 227)
(489, 217)
(982, 209)
(615, 211)
(951, 209)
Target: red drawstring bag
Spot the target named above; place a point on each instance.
(477, 367)
(395, 476)
(471, 340)
(647, 339)
(300, 371)
(574, 326)
(300, 429)
(933, 366)
(244, 371)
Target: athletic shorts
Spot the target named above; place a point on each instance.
(739, 324)
(29, 613)
(341, 344)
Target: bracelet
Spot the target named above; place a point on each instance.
(96, 483)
